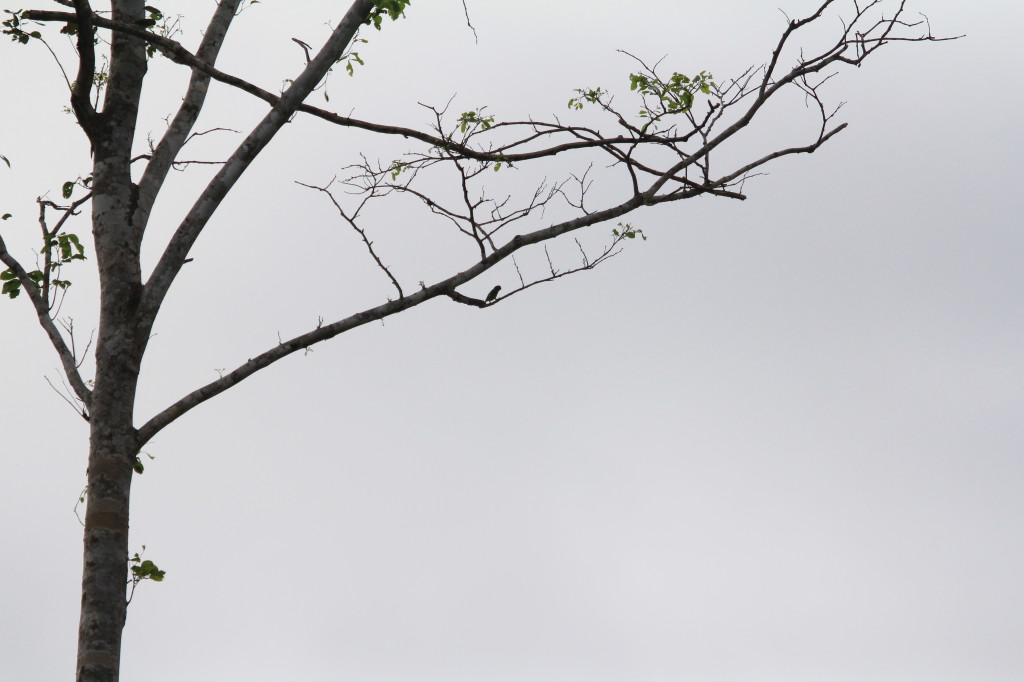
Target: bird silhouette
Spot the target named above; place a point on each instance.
(493, 294)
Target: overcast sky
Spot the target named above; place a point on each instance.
(782, 439)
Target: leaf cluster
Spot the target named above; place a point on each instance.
(383, 8)
(137, 465)
(144, 569)
(59, 249)
(629, 232)
(675, 94)
(13, 28)
(591, 96)
(68, 248)
(153, 15)
(471, 120)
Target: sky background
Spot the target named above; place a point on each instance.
(780, 440)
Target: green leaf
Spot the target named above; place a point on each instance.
(629, 232)
(391, 8)
(5, 160)
(147, 570)
(11, 288)
(5, 216)
(67, 188)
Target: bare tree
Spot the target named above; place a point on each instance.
(661, 154)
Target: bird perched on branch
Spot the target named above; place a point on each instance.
(493, 294)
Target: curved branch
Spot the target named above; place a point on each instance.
(80, 94)
(67, 358)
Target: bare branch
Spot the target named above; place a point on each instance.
(465, 9)
(351, 220)
(79, 409)
(608, 252)
(305, 48)
(69, 328)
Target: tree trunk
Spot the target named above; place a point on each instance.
(105, 570)
(114, 442)
(120, 344)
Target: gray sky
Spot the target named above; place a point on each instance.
(780, 440)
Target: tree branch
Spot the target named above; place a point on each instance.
(863, 43)
(80, 94)
(67, 358)
(449, 148)
(351, 220)
(179, 54)
(324, 332)
(188, 231)
(177, 133)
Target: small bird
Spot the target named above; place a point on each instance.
(493, 294)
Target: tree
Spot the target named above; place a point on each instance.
(659, 155)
